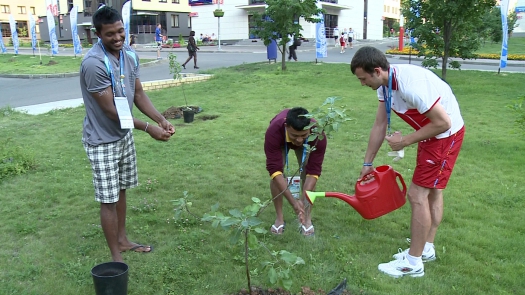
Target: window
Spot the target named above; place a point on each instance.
(69, 5)
(189, 22)
(33, 11)
(21, 9)
(175, 1)
(174, 20)
(5, 9)
(163, 1)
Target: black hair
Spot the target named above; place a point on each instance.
(295, 120)
(368, 58)
(105, 15)
(192, 33)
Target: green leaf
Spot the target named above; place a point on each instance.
(260, 230)
(256, 200)
(287, 284)
(215, 207)
(215, 223)
(254, 221)
(229, 221)
(235, 236)
(252, 241)
(272, 275)
(236, 213)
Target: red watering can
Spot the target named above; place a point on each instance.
(374, 197)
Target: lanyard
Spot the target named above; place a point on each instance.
(388, 99)
(286, 154)
(121, 61)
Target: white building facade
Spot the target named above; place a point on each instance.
(364, 17)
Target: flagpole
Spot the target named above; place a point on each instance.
(39, 53)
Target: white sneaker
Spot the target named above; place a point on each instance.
(426, 256)
(400, 268)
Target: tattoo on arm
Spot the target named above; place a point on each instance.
(103, 92)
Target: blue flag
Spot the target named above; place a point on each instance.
(14, 33)
(320, 37)
(504, 10)
(74, 31)
(2, 46)
(32, 28)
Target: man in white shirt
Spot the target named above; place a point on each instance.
(427, 103)
(336, 36)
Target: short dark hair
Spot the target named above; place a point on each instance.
(105, 15)
(192, 33)
(368, 58)
(295, 120)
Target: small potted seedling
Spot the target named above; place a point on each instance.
(176, 71)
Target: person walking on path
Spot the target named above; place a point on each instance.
(158, 39)
(287, 132)
(110, 85)
(427, 103)
(336, 36)
(351, 38)
(291, 47)
(192, 51)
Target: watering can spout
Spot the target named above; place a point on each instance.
(351, 200)
(311, 196)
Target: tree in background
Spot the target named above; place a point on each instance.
(491, 28)
(445, 28)
(281, 17)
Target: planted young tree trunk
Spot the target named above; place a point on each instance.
(283, 59)
(447, 36)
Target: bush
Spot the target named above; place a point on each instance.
(15, 160)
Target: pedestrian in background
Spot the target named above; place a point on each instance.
(158, 39)
(192, 51)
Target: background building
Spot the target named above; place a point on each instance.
(20, 9)
(364, 17)
(173, 15)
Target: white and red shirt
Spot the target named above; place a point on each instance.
(415, 90)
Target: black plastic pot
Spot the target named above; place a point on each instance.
(188, 115)
(110, 278)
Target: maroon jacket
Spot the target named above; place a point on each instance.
(274, 141)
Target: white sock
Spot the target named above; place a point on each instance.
(428, 247)
(414, 260)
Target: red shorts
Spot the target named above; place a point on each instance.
(436, 159)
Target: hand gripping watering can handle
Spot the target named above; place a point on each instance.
(402, 182)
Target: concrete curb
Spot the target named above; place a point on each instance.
(484, 62)
(61, 75)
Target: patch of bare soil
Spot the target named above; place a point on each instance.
(279, 291)
(176, 112)
(52, 62)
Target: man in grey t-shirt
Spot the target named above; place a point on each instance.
(109, 74)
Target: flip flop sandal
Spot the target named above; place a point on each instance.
(138, 246)
(304, 231)
(277, 230)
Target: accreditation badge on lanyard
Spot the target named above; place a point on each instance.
(121, 102)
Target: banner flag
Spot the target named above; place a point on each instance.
(320, 36)
(32, 30)
(126, 11)
(52, 33)
(504, 11)
(14, 33)
(2, 46)
(74, 30)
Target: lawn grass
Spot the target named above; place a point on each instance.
(516, 46)
(50, 224)
(27, 64)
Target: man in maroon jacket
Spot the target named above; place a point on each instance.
(287, 132)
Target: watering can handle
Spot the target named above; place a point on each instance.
(402, 182)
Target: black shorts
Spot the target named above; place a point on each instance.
(350, 39)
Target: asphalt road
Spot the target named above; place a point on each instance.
(17, 92)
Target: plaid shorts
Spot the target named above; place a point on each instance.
(114, 167)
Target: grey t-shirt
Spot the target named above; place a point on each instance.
(99, 128)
